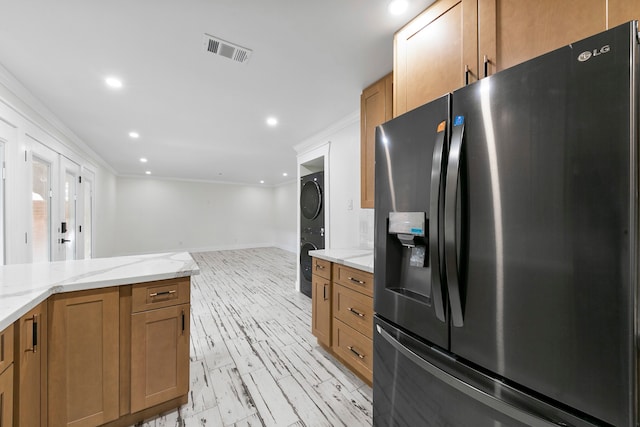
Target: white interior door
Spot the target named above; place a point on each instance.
(84, 247)
(43, 240)
(69, 226)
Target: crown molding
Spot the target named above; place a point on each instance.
(320, 138)
(13, 85)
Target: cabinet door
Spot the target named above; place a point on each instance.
(375, 109)
(432, 52)
(83, 358)
(6, 398)
(621, 11)
(321, 309)
(159, 356)
(513, 31)
(31, 368)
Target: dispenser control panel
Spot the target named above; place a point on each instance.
(407, 223)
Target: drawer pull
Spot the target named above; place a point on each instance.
(319, 267)
(354, 280)
(361, 356)
(157, 294)
(357, 313)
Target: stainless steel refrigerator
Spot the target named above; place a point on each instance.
(506, 247)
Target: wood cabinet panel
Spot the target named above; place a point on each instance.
(6, 348)
(354, 348)
(159, 356)
(6, 397)
(321, 267)
(512, 31)
(621, 11)
(163, 293)
(376, 107)
(83, 357)
(30, 390)
(354, 309)
(432, 52)
(321, 310)
(358, 280)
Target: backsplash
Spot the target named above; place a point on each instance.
(366, 228)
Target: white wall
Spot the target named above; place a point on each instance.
(285, 199)
(348, 225)
(155, 215)
(105, 231)
(344, 187)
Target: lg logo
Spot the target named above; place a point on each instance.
(586, 55)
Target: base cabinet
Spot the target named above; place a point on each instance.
(342, 314)
(321, 301)
(159, 356)
(6, 397)
(83, 370)
(30, 400)
(6, 377)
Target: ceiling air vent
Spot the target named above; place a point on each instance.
(224, 48)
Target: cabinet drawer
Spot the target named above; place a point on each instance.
(322, 268)
(6, 348)
(354, 309)
(164, 293)
(354, 348)
(358, 280)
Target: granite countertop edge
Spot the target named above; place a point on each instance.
(361, 259)
(24, 286)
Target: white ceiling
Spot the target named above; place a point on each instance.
(200, 116)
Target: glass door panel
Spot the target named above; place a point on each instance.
(41, 210)
(70, 172)
(87, 223)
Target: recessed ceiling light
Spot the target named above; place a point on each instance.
(113, 82)
(272, 121)
(134, 135)
(284, 174)
(148, 172)
(398, 7)
(262, 181)
(143, 160)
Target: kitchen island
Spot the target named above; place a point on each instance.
(78, 339)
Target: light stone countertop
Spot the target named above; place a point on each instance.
(24, 286)
(361, 259)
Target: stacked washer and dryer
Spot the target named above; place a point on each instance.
(311, 225)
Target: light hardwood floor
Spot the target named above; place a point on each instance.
(254, 361)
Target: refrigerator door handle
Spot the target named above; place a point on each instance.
(469, 390)
(435, 219)
(450, 208)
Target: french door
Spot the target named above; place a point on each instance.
(55, 199)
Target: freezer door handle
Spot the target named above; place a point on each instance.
(450, 208)
(469, 390)
(435, 218)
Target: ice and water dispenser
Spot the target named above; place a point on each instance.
(407, 251)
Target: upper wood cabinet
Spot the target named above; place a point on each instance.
(621, 11)
(435, 53)
(30, 398)
(83, 357)
(455, 42)
(512, 31)
(375, 108)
